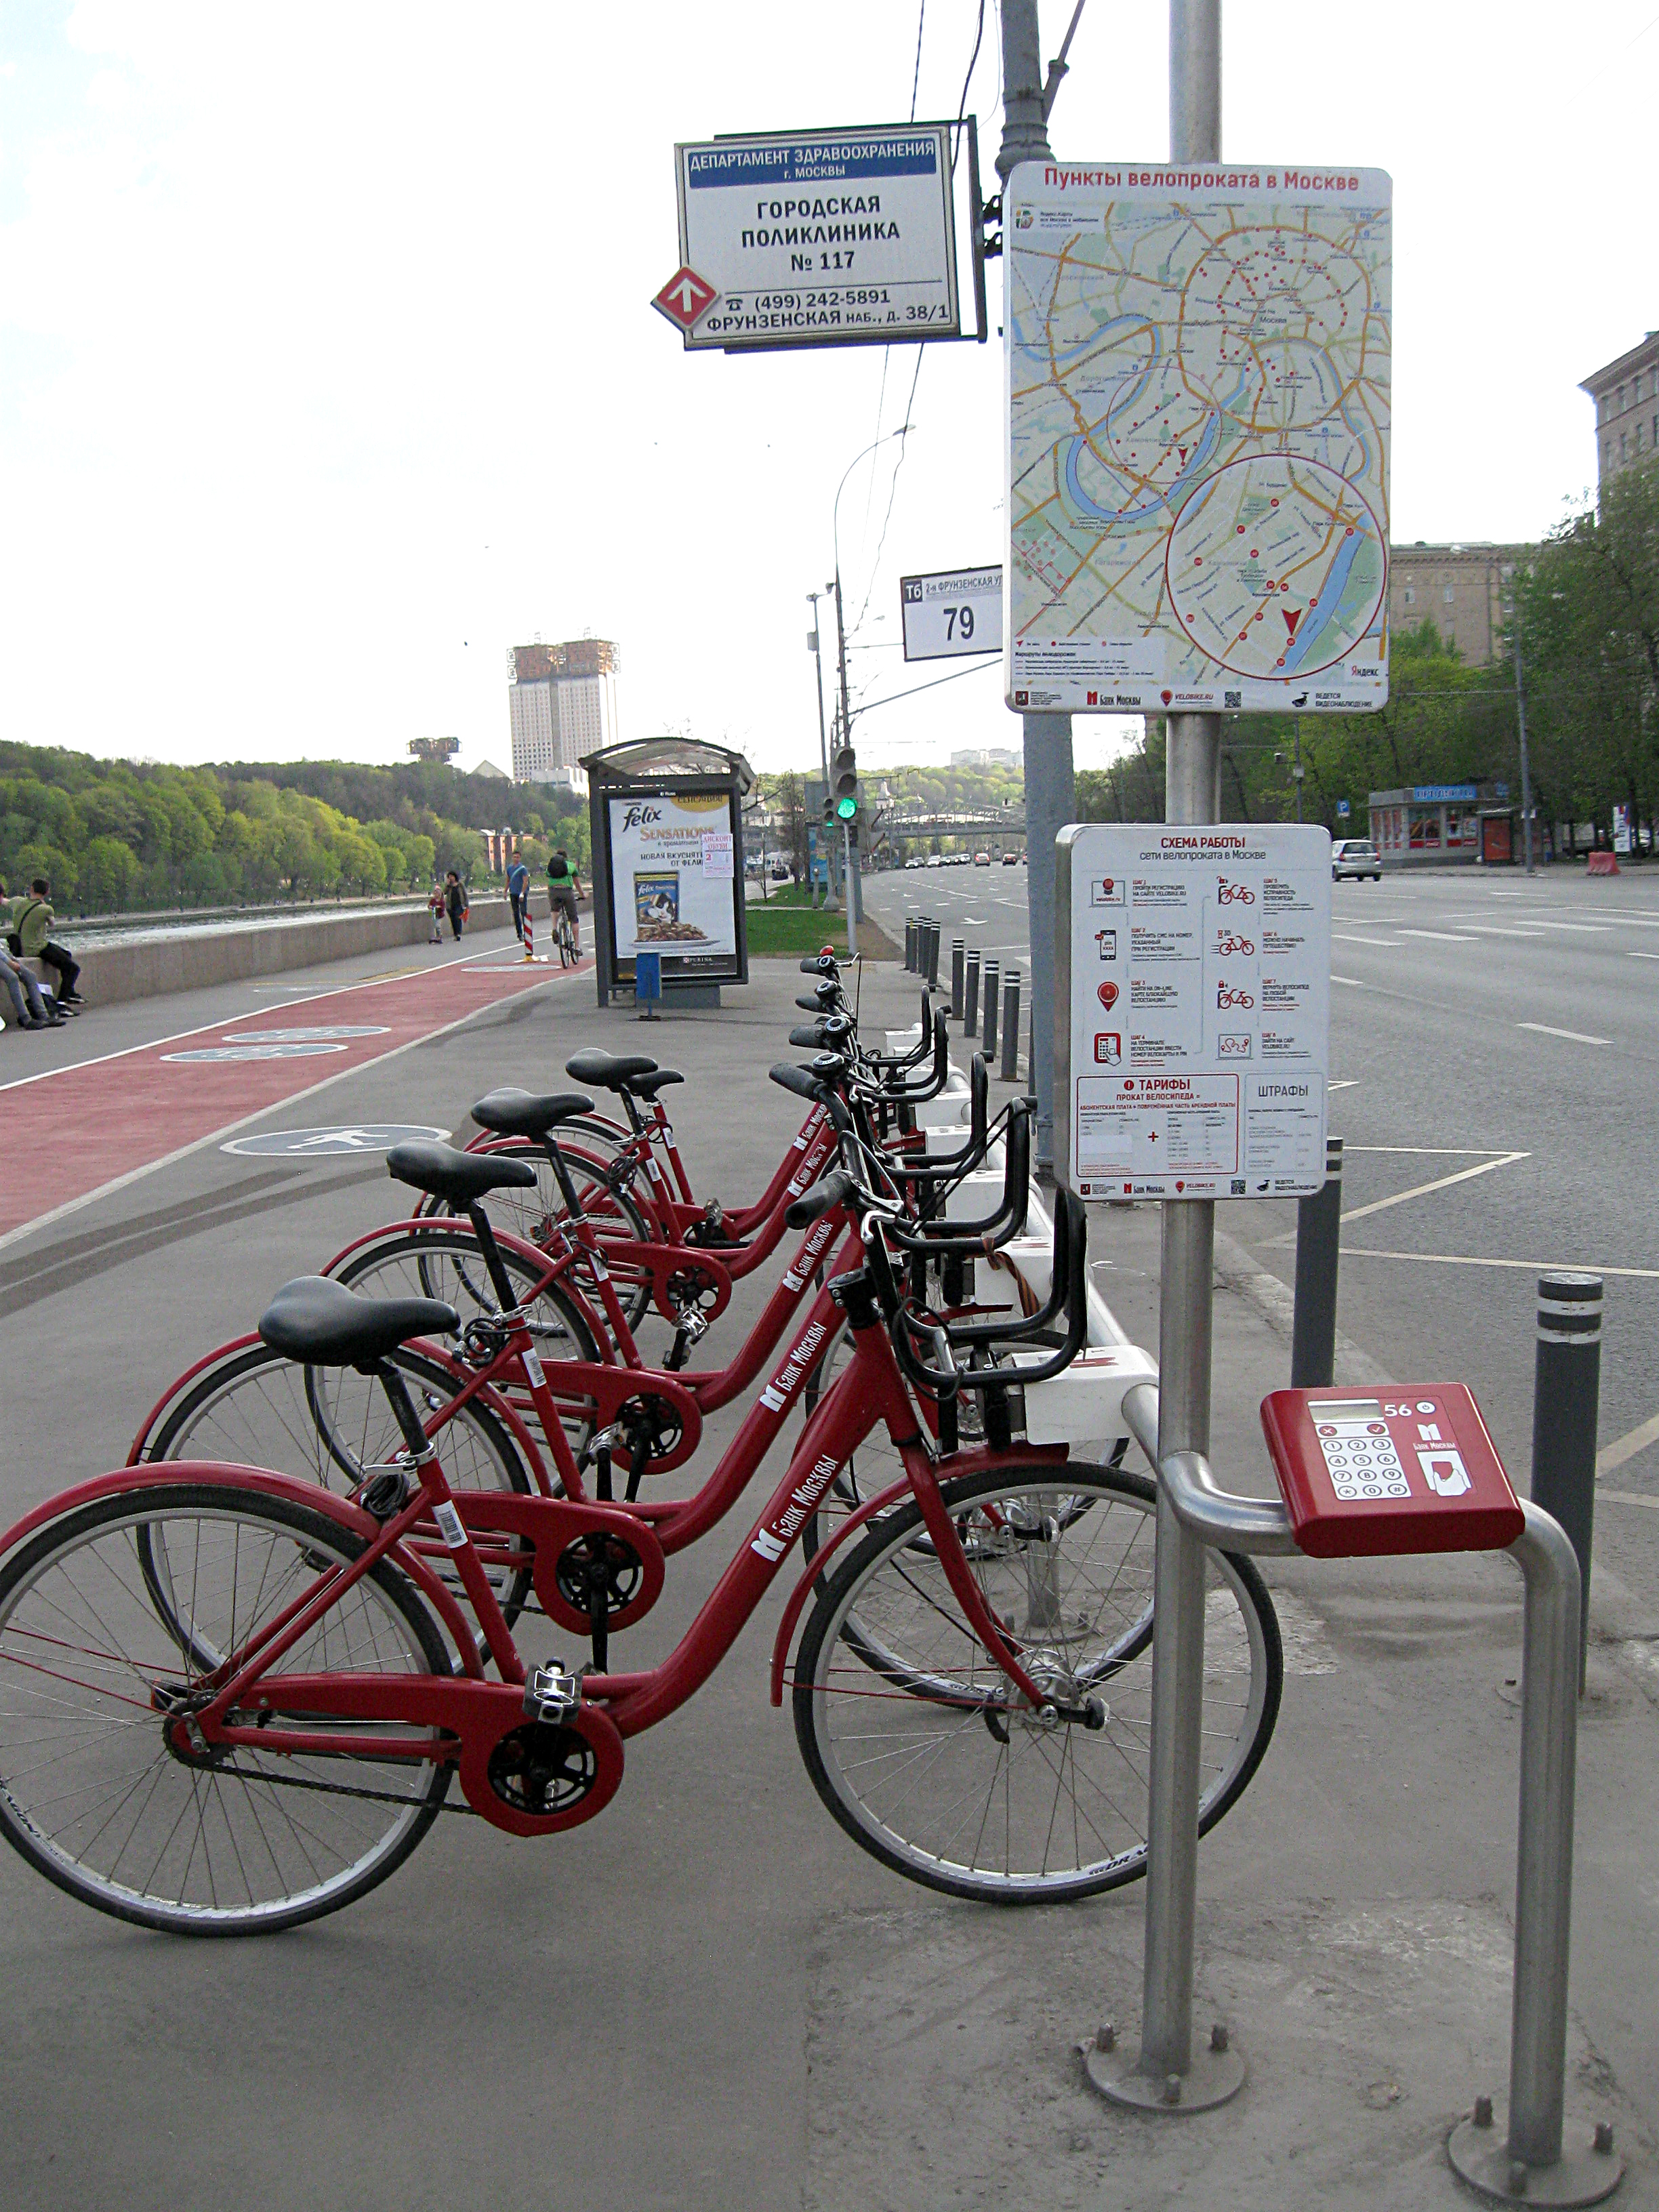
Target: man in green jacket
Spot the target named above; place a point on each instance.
(32, 918)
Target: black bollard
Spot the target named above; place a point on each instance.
(991, 979)
(1011, 1025)
(1318, 1234)
(970, 988)
(932, 955)
(909, 945)
(956, 965)
(1566, 1396)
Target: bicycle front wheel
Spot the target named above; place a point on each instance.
(230, 1842)
(915, 1739)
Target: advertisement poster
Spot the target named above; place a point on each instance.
(1199, 991)
(672, 870)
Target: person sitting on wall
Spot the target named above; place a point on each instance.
(30, 1007)
(32, 919)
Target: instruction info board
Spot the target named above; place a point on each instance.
(675, 885)
(1193, 970)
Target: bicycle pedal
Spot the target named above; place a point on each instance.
(551, 1694)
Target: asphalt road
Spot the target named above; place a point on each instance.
(1495, 1080)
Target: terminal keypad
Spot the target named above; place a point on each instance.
(1361, 1460)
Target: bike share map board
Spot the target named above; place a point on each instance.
(674, 885)
(1199, 393)
(1193, 970)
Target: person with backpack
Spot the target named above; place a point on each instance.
(563, 889)
(31, 939)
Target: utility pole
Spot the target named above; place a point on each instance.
(1050, 786)
(1521, 718)
(855, 881)
(823, 752)
(1296, 772)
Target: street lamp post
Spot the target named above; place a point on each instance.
(854, 890)
(823, 742)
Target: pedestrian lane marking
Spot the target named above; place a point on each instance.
(1441, 1182)
(1615, 1454)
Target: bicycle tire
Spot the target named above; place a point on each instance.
(257, 1408)
(530, 1215)
(856, 1697)
(90, 1716)
(411, 1264)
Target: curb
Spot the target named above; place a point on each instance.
(1235, 1271)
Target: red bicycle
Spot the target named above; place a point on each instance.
(236, 1702)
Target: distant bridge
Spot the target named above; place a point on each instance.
(1002, 823)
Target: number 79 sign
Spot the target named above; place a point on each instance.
(956, 612)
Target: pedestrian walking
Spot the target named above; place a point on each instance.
(518, 890)
(455, 902)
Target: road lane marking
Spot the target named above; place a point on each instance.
(1348, 940)
(1615, 1454)
(1440, 936)
(1352, 982)
(1480, 1259)
(1496, 929)
(1626, 1497)
(1581, 928)
(1642, 956)
(1440, 1152)
(1441, 1182)
(1573, 1037)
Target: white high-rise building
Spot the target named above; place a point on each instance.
(561, 704)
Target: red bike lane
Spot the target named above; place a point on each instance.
(82, 1130)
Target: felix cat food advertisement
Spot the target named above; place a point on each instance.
(673, 866)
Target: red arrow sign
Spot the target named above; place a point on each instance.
(685, 297)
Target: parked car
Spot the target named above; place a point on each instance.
(1356, 857)
(982, 860)
(1012, 859)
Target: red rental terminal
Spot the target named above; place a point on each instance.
(1411, 1468)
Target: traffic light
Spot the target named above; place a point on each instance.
(844, 769)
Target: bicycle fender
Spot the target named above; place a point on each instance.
(960, 1463)
(159, 1474)
(551, 1525)
(135, 1449)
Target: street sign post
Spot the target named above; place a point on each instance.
(819, 238)
(1198, 380)
(1194, 968)
(952, 612)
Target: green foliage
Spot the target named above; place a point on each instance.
(116, 835)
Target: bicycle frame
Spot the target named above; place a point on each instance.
(477, 1714)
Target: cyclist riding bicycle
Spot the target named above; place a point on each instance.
(563, 889)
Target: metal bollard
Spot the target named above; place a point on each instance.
(1318, 1235)
(1565, 1404)
(958, 952)
(1011, 1026)
(991, 979)
(970, 985)
(932, 955)
(909, 945)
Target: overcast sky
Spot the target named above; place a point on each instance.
(327, 372)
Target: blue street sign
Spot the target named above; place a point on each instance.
(1342, 809)
(648, 975)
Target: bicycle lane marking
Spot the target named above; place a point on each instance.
(129, 1111)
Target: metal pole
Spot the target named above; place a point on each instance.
(855, 886)
(970, 1002)
(1526, 773)
(1169, 2074)
(1050, 786)
(1565, 1408)
(818, 656)
(932, 955)
(851, 902)
(957, 952)
(1296, 774)
(1011, 1025)
(990, 1040)
(1577, 2165)
(1318, 1235)
(909, 945)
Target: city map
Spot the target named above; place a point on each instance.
(1197, 365)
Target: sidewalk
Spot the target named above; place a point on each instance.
(707, 1999)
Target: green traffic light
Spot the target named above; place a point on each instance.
(847, 808)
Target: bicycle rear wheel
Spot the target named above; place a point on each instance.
(216, 1844)
(326, 1425)
(914, 1739)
